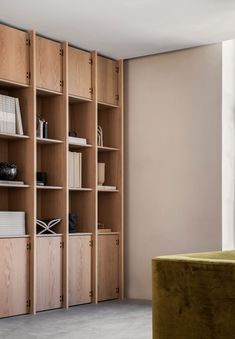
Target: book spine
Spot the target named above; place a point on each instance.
(19, 125)
(80, 169)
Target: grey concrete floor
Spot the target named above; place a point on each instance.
(108, 320)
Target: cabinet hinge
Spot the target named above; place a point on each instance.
(61, 83)
(91, 90)
(28, 246)
(61, 52)
(90, 61)
(61, 244)
(91, 294)
(28, 75)
(117, 69)
(117, 242)
(28, 42)
(117, 97)
(61, 298)
(117, 290)
(91, 243)
(28, 303)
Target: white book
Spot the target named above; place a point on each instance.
(80, 169)
(12, 223)
(77, 141)
(2, 113)
(71, 184)
(10, 115)
(76, 169)
(19, 125)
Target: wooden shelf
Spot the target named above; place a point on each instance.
(13, 186)
(49, 235)
(107, 149)
(68, 83)
(105, 105)
(47, 92)
(14, 236)
(13, 136)
(80, 189)
(48, 141)
(49, 187)
(75, 99)
(108, 233)
(107, 191)
(12, 84)
(79, 234)
(74, 146)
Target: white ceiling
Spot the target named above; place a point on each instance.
(125, 28)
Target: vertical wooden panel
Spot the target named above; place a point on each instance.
(107, 80)
(79, 269)
(49, 64)
(79, 73)
(14, 56)
(49, 272)
(14, 277)
(108, 258)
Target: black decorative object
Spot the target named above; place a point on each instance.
(72, 222)
(42, 178)
(42, 128)
(45, 129)
(7, 171)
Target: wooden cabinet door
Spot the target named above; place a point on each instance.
(107, 81)
(79, 270)
(79, 73)
(49, 64)
(14, 277)
(14, 55)
(49, 273)
(108, 254)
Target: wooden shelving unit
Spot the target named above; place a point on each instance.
(73, 90)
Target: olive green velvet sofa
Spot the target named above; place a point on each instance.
(194, 296)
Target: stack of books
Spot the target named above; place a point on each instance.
(77, 141)
(10, 115)
(106, 188)
(12, 223)
(75, 170)
(11, 182)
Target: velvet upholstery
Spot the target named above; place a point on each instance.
(194, 296)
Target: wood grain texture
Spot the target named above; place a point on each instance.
(79, 269)
(49, 64)
(49, 273)
(107, 80)
(14, 56)
(14, 277)
(79, 66)
(108, 266)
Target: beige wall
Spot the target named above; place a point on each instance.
(173, 159)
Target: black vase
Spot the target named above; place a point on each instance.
(7, 171)
(72, 222)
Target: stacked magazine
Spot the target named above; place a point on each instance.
(12, 223)
(10, 115)
(75, 170)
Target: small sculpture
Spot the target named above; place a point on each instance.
(100, 136)
(101, 173)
